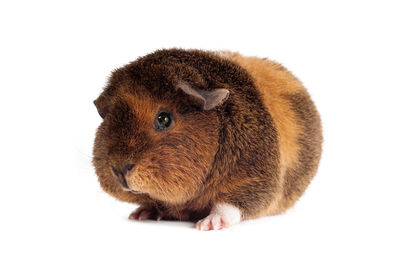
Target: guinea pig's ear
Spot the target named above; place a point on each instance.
(101, 104)
(210, 99)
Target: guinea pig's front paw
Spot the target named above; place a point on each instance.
(221, 216)
(145, 213)
(212, 222)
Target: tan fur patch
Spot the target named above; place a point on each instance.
(274, 82)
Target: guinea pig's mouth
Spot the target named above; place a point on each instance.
(121, 176)
(131, 190)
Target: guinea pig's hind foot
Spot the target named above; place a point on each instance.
(145, 213)
(221, 216)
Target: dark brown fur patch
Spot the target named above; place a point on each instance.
(298, 177)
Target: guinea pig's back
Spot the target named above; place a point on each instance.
(297, 123)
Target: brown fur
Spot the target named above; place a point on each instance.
(257, 151)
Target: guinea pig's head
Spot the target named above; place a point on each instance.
(159, 133)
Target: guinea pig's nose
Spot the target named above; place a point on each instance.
(128, 168)
(121, 177)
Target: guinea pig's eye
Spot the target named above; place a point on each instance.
(163, 120)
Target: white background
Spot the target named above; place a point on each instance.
(54, 60)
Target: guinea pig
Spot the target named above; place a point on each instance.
(212, 137)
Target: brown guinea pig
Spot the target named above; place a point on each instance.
(210, 136)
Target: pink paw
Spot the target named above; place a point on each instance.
(222, 216)
(145, 213)
(212, 222)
